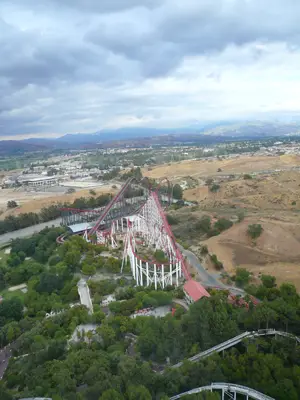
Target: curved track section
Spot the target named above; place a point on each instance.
(234, 341)
(229, 389)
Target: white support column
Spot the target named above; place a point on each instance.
(171, 273)
(163, 276)
(141, 272)
(147, 273)
(117, 223)
(137, 271)
(155, 277)
(132, 258)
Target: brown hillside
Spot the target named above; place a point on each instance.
(276, 250)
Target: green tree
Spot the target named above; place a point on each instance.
(111, 394)
(223, 224)
(242, 277)
(214, 188)
(268, 281)
(88, 269)
(138, 392)
(177, 192)
(254, 230)
(12, 204)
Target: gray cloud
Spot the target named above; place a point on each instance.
(84, 64)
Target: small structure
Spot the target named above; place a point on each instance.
(79, 228)
(194, 291)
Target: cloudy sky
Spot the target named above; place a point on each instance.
(71, 66)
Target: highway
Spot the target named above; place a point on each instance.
(22, 233)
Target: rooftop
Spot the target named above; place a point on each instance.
(195, 290)
(76, 228)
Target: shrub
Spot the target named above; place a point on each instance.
(12, 204)
(204, 224)
(254, 230)
(214, 188)
(242, 277)
(268, 281)
(160, 256)
(92, 192)
(241, 216)
(214, 259)
(204, 250)
(247, 176)
(293, 203)
(53, 260)
(171, 219)
(222, 224)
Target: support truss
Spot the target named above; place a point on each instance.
(138, 216)
(151, 228)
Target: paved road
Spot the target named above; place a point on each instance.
(5, 355)
(21, 233)
(84, 294)
(206, 279)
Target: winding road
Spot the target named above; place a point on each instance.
(207, 280)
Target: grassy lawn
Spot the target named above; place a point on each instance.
(3, 256)
(6, 294)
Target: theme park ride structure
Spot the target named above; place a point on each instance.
(142, 221)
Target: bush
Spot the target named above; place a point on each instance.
(92, 192)
(204, 250)
(171, 219)
(242, 277)
(268, 281)
(241, 216)
(204, 224)
(53, 260)
(12, 204)
(160, 256)
(214, 259)
(214, 188)
(247, 176)
(223, 224)
(254, 230)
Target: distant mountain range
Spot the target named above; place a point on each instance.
(141, 136)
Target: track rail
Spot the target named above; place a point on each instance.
(234, 341)
(227, 388)
(109, 206)
(171, 235)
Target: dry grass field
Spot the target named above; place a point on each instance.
(239, 165)
(277, 192)
(35, 201)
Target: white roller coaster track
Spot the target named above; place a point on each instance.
(228, 389)
(234, 341)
